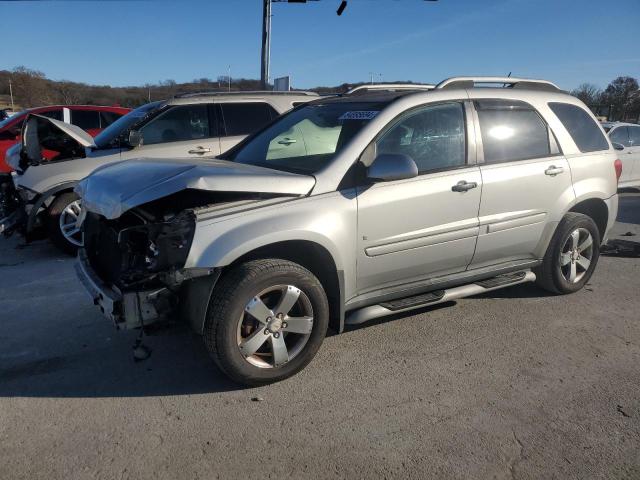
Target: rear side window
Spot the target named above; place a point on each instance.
(512, 130)
(246, 118)
(582, 128)
(107, 118)
(634, 136)
(620, 135)
(85, 119)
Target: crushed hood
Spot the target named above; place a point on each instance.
(113, 189)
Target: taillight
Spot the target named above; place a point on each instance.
(618, 167)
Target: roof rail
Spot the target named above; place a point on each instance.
(508, 82)
(391, 87)
(245, 92)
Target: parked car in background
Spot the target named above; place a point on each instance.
(92, 119)
(626, 139)
(351, 208)
(193, 125)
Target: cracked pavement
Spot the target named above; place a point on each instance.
(511, 384)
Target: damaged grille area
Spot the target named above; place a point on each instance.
(133, 251)
(147, 244)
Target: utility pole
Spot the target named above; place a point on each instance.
(11, 94)
(229, 77)
(266, 44)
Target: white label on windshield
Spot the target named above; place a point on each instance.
(368, 115)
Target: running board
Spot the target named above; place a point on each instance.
(365, 314)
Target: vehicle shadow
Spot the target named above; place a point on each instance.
(178, 365)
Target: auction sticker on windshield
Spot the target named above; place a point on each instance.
(360, 115)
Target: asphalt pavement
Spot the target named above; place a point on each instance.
(511, 384)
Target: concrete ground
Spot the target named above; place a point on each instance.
(513, 384)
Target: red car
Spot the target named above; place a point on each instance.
(90, 118)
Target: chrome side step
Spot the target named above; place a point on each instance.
(365, 314)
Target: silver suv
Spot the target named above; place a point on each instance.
(350, 208)
(191, 125)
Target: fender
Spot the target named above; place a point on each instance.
(43, 198)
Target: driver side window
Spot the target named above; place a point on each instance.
(434, 137)
(177, 124)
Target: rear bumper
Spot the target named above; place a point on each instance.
(612, 205)
(126, 310)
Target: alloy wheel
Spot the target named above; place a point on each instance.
(275, 326)
(69, 224)
(576, 255)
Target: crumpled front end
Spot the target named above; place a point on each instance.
(12, 211)
(133, 266)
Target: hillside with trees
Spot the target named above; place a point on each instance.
(620, 100)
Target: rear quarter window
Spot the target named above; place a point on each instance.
(583, 129)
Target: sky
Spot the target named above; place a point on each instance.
(133, 43)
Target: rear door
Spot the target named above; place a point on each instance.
(621, 135)
(239, 119)
(419, 228)
(180, 131)
(526, 181)
(634, 153)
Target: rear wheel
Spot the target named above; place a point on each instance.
(266, 321)
(62, 218)
(572, 255)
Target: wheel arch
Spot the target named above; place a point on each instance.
(597, 210)
(46, 196)
(315, 258)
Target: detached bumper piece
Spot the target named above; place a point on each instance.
(127, 310)
(12, 214)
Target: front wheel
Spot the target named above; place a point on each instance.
(62, 218)
(572, 255)
(266, 321)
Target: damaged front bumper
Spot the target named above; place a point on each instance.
(12, 212)
(127, 310)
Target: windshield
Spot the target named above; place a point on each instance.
(18, 116)
(111, 136)
(307, 139)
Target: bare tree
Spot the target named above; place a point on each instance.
(588, 93)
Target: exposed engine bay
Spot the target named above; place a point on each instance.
(140, 256)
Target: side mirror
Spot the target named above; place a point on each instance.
(617, 146)
(392, 166)
(135, 138)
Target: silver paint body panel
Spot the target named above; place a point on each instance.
(389, 235)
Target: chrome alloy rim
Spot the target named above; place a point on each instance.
(576, 255)
(69, 223)
(275, 326)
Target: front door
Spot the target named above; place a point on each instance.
(414, 229)
(526, 182)
(179, 132)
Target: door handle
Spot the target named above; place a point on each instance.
(463, 186)
(553, 171)
(200, 150)
(287, 141)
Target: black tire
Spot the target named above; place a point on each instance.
(550, 274)
(227, 307)
(53, 222)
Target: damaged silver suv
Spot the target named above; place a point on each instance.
(350, 208)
